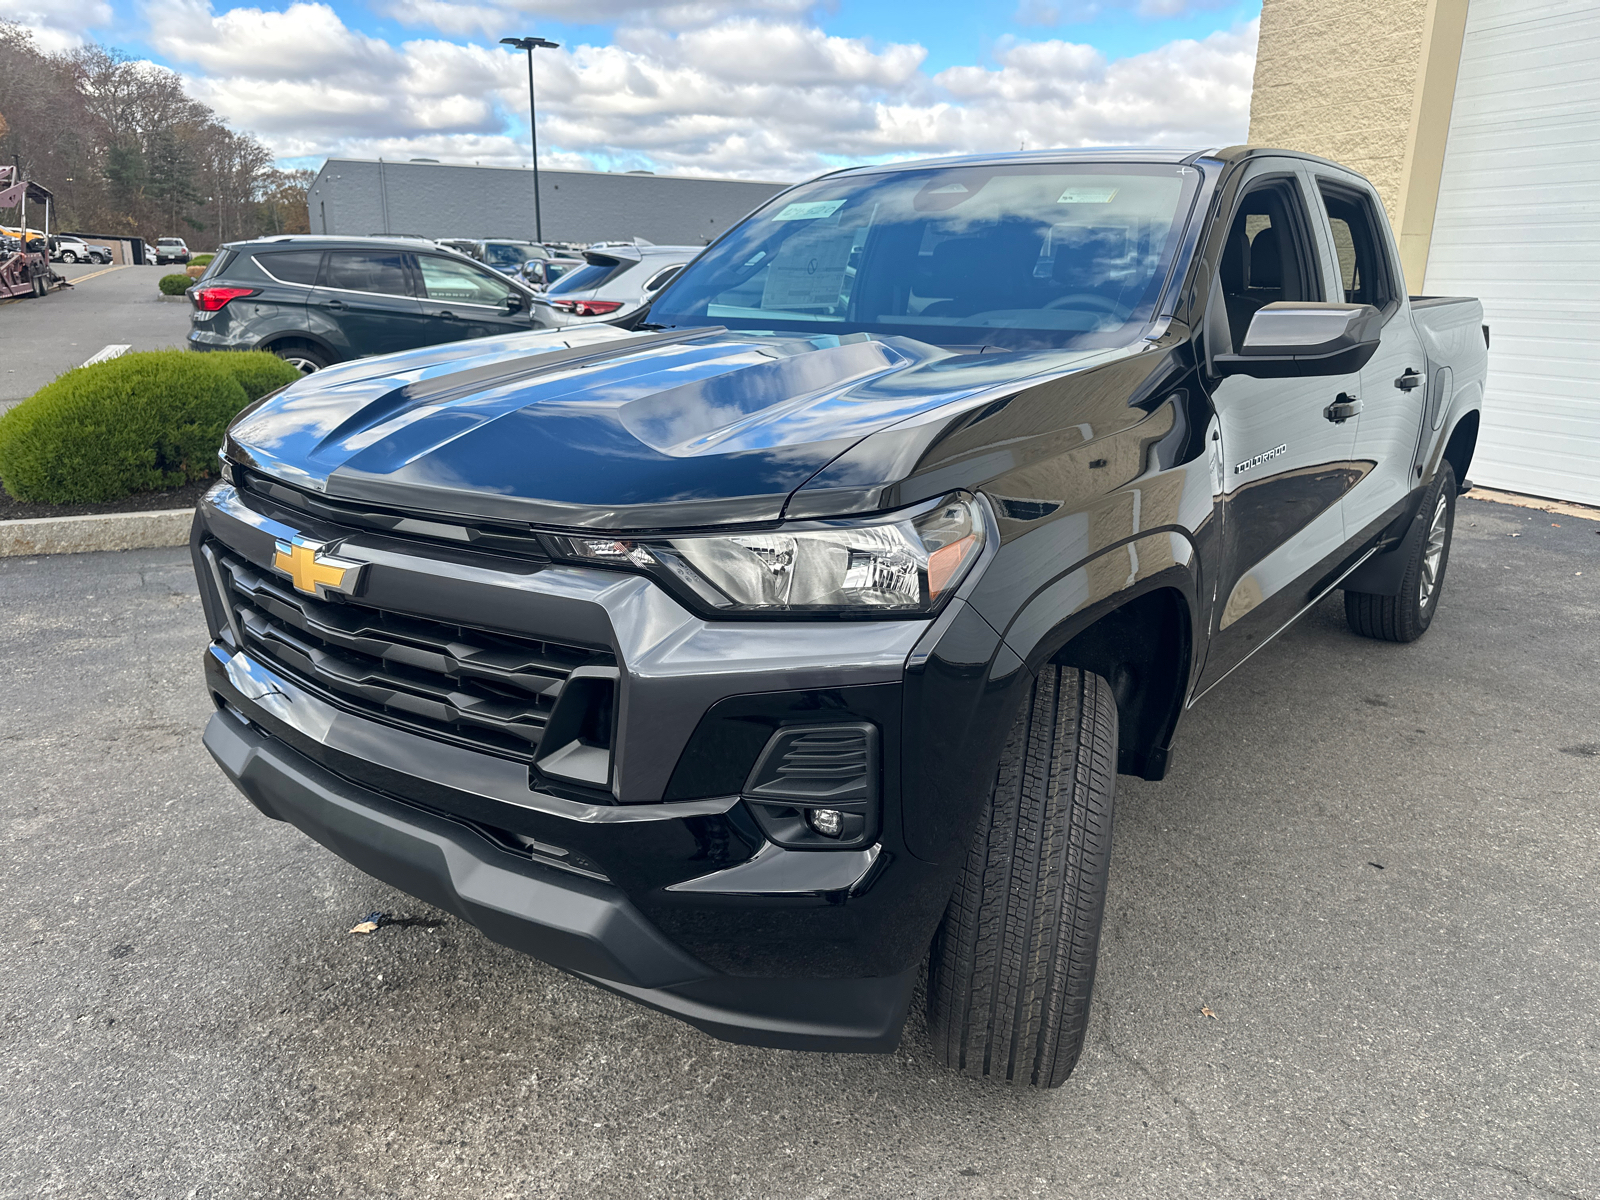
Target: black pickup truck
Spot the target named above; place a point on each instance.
(748, 658)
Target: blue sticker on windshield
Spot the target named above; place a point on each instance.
(809, 210)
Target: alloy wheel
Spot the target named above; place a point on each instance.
(1433, 552)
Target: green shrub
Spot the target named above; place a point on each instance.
(174, 285)
(201, 260)
(140, 423)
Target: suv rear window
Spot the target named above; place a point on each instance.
(291, 266)
(591, 275)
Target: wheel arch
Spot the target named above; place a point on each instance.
(1463, 442)
(273, 341)
(1142, 639)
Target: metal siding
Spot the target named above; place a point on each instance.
(445, 200)
(1518, 224)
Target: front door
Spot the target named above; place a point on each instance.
(1285, 464)
(462, 300)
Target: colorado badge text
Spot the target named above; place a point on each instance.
(313, 572)
(1247, 464)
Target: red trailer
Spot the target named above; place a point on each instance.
(25, 267)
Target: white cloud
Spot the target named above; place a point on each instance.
(57, 25)
(759, 95)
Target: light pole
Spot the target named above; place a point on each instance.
(530, 44)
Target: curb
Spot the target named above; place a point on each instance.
(107, 531)
(1563, 508)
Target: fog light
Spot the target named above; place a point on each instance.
(829, 822)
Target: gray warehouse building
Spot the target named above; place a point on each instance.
(354, 196)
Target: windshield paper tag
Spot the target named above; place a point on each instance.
(1086, 196)
(809, 211)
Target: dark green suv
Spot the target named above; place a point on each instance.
(315, 301)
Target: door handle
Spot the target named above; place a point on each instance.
(1343, 408)
(333, 304)
(1408, 380)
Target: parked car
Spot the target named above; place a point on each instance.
(507, 255)
(68, 249)
(747, 658)
(171, 250)
(614, 284)
(540, 273)
(315, 300)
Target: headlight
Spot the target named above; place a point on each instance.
(903, 563)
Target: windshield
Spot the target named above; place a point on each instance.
(1020, 256)
(505, 254)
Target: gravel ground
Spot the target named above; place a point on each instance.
(1376, 865)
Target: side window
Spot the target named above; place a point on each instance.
(1268, 255)
(291, 266)
(461, 283)
(380, 271)
(1362, 267)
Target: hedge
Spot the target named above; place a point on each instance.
(201, 260)
(174, 285)
(140, 423)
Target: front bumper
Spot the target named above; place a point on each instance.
(579, 925)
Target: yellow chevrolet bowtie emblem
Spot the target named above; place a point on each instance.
(314, 572)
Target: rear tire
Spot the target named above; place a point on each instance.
(303, 356)
(1406, 617)
(67, 256)
(1013, 963)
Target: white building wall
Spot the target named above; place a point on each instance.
(1518, 224)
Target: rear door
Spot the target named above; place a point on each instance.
(1285, 467)
(366, 297)
(463, 300)
(1394, 383)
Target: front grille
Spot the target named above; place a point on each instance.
(490, 691)
(284, 502)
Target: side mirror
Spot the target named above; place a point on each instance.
(1297, 338)
(515, 302)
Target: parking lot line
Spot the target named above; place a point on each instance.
(97, 274)
(106, 353)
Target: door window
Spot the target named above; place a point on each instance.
(1268, 255)
(461, 283)
(292, 266)
(378, 271)
(1362, 268)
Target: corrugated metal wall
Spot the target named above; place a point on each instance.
(437, 200)
(1518, 224)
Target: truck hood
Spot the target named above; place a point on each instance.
(602, 429)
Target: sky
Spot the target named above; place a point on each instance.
(758, 89)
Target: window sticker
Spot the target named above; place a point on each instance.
(809, 211)
(1088, 196)
(808, 270)
(948, 189)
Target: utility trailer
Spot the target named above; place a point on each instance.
(25, 268)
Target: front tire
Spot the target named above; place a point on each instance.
(1406, 617)
(1013, 964)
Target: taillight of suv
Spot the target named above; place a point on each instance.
(215, 299)
(587, 308)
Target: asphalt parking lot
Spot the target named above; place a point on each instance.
(108, 306)
(1375, 865)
